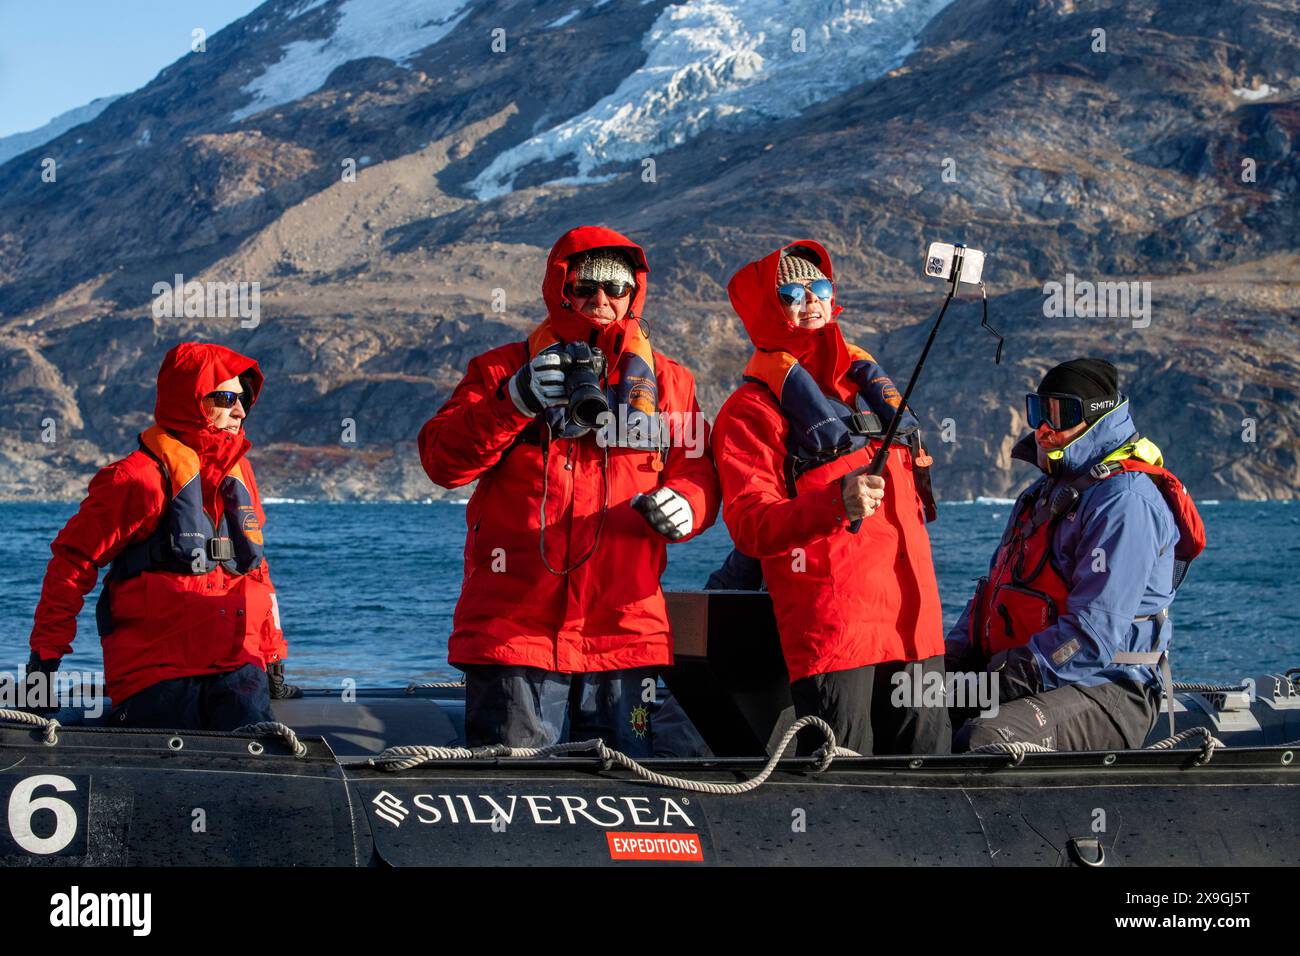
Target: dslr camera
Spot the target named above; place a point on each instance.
(583, 367)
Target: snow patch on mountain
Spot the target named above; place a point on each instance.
(713, 63)
(394, 29)
(18, 143)
(563, 20)
(1256, 94)
(307, 6)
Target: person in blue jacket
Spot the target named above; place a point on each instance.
(1071, 625)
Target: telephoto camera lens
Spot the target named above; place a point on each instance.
(587, 401)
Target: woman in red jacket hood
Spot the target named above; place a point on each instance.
(563, 619)
(188, 616)
(858, 613)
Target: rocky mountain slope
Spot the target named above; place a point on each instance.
(1161, 150)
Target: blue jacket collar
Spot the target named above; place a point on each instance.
(1113, 430)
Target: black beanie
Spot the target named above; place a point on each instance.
(1094, 380)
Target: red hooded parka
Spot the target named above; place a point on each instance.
(842, 600)
(609, 612)
(165, 624)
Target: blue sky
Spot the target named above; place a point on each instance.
(60, 54)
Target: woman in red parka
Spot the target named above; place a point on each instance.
(854, 609)
(563, 623)
(188, 616)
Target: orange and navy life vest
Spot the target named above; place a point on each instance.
(1025, 591)
(186, 540)
(823, 428)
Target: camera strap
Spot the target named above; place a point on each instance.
(545, 435)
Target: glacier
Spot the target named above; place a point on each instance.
(722, 62)
(394, 29)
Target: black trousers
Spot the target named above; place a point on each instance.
(877, 709)
(207, 702)
(1113, 716)
(530, 707)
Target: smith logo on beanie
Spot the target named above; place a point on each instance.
(1093, 406)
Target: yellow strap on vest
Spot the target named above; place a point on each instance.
(1143, 450)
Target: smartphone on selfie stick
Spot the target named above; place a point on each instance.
(954, 263)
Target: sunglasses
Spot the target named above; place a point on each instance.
(586, 288)
(224, 399)
(794, 293)
(1058, 411)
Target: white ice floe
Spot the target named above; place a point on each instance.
(713, 63)
(393, 29)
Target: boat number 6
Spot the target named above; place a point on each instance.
(22, 808)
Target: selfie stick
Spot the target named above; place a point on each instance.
(877, 465)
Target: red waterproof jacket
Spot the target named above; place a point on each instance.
(609, 612)
(166, 624)
(842, 600)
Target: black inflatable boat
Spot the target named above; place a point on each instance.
(313, 793)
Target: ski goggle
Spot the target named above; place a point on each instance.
(1058, 411)
(224, 399)
(794, 293)
(586, 288)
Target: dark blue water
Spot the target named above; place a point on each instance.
(367, 590)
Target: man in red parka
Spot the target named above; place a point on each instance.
(187, 616)
(858, 613)
(561, 626)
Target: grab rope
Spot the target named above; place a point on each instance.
(1206, 687)
(47, 724)
(412, 687)
(1207, 748)
(273, 728)
(1015, 748)
(1018, 748)
(396, 759)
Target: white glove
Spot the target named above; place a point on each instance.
(667, 512)
(539, 384)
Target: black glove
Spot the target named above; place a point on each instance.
(40, 689)
(667, 512)
(1018, 674)
(279, 689)
(540, 384)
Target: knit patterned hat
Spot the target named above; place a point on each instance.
(601, 265)
(796, 269)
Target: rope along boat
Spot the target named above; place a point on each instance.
(381, 776)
